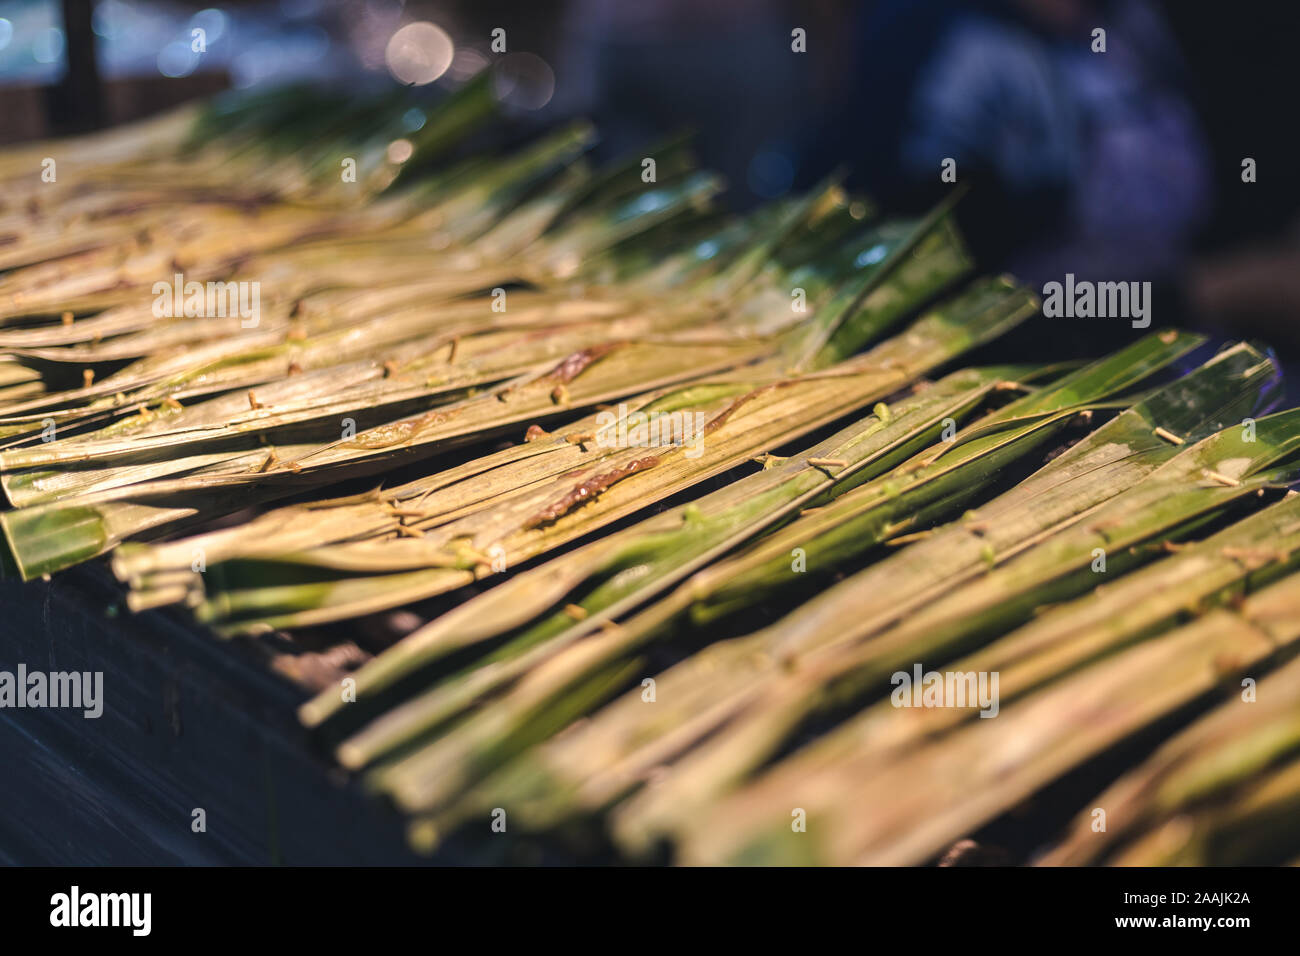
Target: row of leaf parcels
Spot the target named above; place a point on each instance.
(1079, 681)
(335, 268)
(558, 488)
(499, 731)
(85, 493)
(1225, 791)
(117, 424)
(664, 549)
(1203, 483)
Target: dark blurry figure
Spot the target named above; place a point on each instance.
(1099, 164)
(1081, 161)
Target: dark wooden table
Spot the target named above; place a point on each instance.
(189, 722)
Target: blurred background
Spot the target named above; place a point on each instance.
(1125, 164)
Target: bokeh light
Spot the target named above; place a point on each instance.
(400, 150)
(413, 119)
(48, 45)
(419, 53)
(524, 81)
(466, 63)
(212, 22)
(177, 59)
